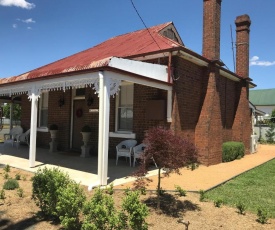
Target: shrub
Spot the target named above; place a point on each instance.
(270, 134)
(20, 192)
(262, 215)
(202, 195)
(110, 189)
(136, 211)
(142, 190)
(180, 190)
(6, 176)
(10, 184)
(140, 184)
(127, 190)
(47, 187)
(17, 177)
(241, 208)
(2, 194)
(272, 119)
(100, 213)
(218, 203)
(160, 191)
(7, 168)
(232, 150)
(69, 205)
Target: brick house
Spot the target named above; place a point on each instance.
(138, 80)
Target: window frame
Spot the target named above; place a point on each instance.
(43, 127)
(118, 97)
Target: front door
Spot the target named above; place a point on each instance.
(78, 123)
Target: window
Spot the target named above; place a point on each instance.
(80, 92)
(125, 107)
(43, 109)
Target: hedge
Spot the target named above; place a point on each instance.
(232, 150)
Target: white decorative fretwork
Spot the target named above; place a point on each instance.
(14, 91)
(80, 83)
(114, 86)
(51, 85)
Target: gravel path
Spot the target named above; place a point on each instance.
(208, 177)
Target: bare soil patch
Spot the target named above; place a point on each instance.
(22, 213)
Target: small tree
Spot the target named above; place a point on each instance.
(169, 152)
(270, 133)
(272, 119)
(16, 111)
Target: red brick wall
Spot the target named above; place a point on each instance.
(187, 97)
(25, 112)
(60, 116)
(242, 45)
(211, 29)
(206, 110)
(242, 127)
(142, 94)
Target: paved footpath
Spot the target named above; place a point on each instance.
(208, 177)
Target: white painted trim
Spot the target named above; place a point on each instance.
(116, 108)
(116, 112)
(72, 121)
(140, 81)
(33, 128)
(153, 71)
(169, 105)
(179, 53)
(122, 135)
(191, 58)
(103, 128)
(42, 95)
(229, 76)
(74, 81)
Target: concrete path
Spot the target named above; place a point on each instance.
(208, 177)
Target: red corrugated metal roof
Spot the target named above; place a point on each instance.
(130, 44)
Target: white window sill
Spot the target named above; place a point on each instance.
(122, 135)
(42, 129)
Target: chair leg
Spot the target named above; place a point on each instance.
(130, 160)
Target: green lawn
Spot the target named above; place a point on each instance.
(255, 189)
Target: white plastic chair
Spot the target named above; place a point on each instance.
(138, 150)
(125, 149)
(13, 135)
(24, 138)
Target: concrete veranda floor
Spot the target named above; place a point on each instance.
(84, 170)
(80, 169)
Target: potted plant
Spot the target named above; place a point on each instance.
(53, 130)
(86, 134)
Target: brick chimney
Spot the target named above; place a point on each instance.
(242, 45)
(211, 29)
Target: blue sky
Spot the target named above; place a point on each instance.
(37, 32)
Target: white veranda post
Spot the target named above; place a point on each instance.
(33, 129)
(103, 132)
